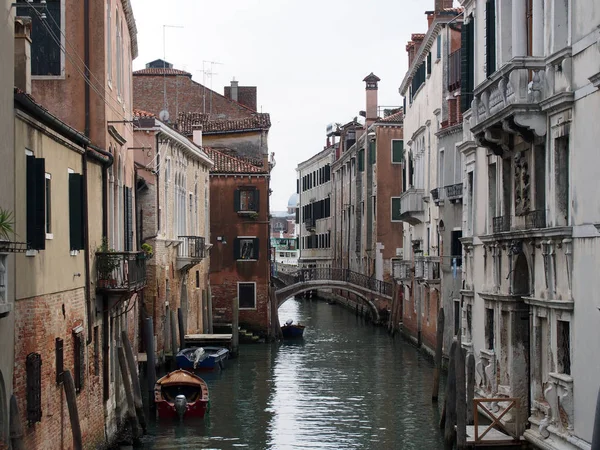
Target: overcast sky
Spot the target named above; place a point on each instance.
(307, 58)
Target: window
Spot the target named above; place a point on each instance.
(467, 64)
(372, 152)
(396, 210)
(48, 204)
(246, 200)
(119, 55)
(246, 248)
(76, 222)
(36, 203)
(397, 151)
(456, 247)
(456, 317)
(247, 295)
(418, 80)
(439, 46)
(109, 41)
(197, 278)
(128, 219)
(489, 328)
(561, 180)
(441, 168)
(361, 160)
(563, 336)
(490, 37)
(46, 38)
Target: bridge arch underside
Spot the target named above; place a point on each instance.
(364, 294)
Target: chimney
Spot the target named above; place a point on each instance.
(430, 17)
(371, 81)
(23, 54)
(197, 134)
(234, 90)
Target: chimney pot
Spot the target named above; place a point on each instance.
(22, 54)
(234, 90)
(197, 134)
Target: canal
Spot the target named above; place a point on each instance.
(347, 386)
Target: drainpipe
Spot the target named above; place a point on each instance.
(86, 238)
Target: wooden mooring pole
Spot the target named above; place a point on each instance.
(16, 427)
(470, 387)
(135, 380)
(235, 326)
(69, 387)
(439, 344)
(131, 414)
(150, 359)
(450, 403)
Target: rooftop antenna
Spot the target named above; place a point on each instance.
(164, 114)
(210, 74)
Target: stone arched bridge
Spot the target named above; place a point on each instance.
(375, 293)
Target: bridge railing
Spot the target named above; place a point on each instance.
(336, 274)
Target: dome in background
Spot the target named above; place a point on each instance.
(293, 201)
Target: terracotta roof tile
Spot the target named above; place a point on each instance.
(161, 71)
(142, 113)
(394, 118)
(227, 162)
(210, 124)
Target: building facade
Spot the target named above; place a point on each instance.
(424, 87)
(284, 236)
(173, 193)
(240, 259)
(530, 243)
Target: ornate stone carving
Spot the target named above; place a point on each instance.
(522, 183)
(551, 397)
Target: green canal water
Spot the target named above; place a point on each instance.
(348, 385)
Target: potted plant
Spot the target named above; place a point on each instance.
(253, 215)
(6, 224)
(106, 265)
(148, 250)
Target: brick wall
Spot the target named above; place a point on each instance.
(184, 94)
(40, 320)
(429, 318)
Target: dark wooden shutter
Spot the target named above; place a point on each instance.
(76, 211)
(79, 361)
(256, 244)
(36, 203)
(490, 37)
(372, 152)
(397, 151)
(128, 217)
(236, 249)
(256, 200)
(361, 160)
(465, 95)
(297, 215)
(59, 360)
(236, 200)
(33, 368)
(429, 63)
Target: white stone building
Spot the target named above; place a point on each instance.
(531, 229)
(314, 204)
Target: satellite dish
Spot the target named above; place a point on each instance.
(164, 115)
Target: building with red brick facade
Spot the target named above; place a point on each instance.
(240, 240)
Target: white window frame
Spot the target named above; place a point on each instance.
(49, 235)
(62, 75)
(392, 210)
(238, 295)
(246, 237)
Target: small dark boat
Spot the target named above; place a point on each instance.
(181, 394)
(291, 331)
(202, 358)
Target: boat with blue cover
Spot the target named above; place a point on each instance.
(202, 358)
(292, 331)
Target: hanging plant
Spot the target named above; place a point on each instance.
(148, 250)
(6, 224)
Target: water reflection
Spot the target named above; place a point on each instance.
(345, 386)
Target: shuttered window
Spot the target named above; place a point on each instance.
(36, 203)
(490, 37)
(76, 211)
(246, 200)
(45, 37)
(429, 63)
(361, 160)
(397, 151)
(128, 217)
(372, 152)
(246, 248)
(396, 211)
(467, 65)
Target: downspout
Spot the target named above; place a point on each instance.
(86, 237)
(157, 175)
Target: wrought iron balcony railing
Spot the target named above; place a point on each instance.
(120, 271)
(501, 224)
(454, 191)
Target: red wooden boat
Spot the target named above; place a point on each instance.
(181, 394)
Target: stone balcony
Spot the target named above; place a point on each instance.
(401, 269)
(412, 209)
(190, 251)
(431, 269)
(509, 103)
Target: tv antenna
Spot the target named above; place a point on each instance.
(165, 113)
(208, 73)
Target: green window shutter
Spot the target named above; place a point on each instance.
(397, 151)
(236, 249)
(429, 63)
(361, 160)
(490, 37)
(36, 203)
(236, 200)
(76, 211)
(256, 248)
(396, 212)
(372, 152)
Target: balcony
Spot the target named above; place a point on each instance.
(501, 224)
(419, 267)
(401, 269)
(454, 192)
(431, 269)
(531, 220)
(309, 223)
(411, 206)
(120, 272)
(508, 103)
(191, 251)
(438, 196)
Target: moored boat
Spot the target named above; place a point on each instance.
(181, 394)
(202, 358)
(291, 331)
